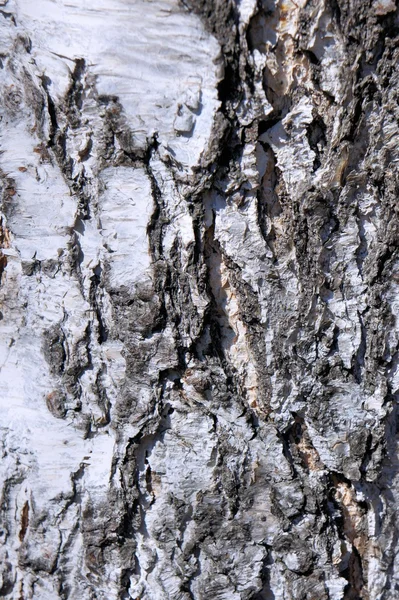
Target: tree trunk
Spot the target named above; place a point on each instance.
(199, 335)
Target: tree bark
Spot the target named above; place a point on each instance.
(199, 334)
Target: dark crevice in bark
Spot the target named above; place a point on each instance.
(96, 303)
(351, 526)
(52, 113)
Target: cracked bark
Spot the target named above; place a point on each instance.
(199, 327)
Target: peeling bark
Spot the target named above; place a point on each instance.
(199, 327)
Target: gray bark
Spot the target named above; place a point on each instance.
(199, 332)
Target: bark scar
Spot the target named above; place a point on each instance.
(24, 521)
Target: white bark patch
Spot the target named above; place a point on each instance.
(169, 91)
(125, 208)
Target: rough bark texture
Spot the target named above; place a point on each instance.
(199, 335)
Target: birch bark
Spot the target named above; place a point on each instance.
(199, 327)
